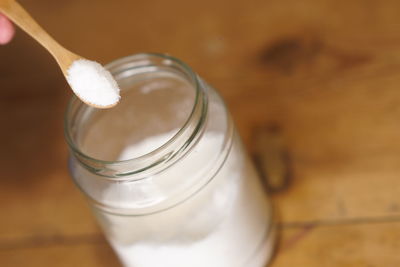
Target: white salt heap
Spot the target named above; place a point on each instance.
(92, 83)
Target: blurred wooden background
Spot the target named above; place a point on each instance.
(327, 72)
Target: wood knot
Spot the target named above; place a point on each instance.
(272, 158)
(287, 54)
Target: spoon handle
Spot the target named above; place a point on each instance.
(14, 11)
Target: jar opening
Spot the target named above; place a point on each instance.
(160, 113)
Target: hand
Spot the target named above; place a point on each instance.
(6, 30)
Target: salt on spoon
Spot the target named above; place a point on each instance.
(93, 83)
(90, 81)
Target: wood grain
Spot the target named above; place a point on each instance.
(348, 244)
(85, 253)
(325, 72)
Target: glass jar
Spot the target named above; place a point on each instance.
(165, 171)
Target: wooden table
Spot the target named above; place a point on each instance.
(327, 72)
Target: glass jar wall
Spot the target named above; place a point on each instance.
(165, 171)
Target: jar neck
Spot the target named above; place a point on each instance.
(161, 157)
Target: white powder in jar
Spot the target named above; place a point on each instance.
(92, 83)
(225, 224)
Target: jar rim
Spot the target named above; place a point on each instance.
(191, 127)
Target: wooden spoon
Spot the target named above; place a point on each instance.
(14, 11)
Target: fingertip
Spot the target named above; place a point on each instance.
(7, 30)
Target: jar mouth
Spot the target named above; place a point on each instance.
(159, 157)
